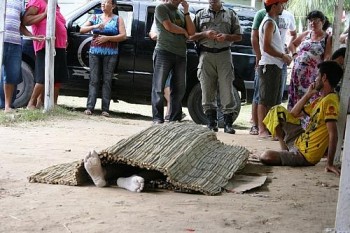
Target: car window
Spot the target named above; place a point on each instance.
(150, 19)
(124, 11)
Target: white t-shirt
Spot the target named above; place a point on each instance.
(286, 22)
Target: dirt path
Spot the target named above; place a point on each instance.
(292, 200)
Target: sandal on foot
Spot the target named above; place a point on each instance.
(87, 112)
(254, 130)
(105, 114)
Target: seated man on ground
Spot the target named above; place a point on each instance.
(307, 147)
(127, 177)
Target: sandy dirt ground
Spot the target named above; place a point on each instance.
(292, 199)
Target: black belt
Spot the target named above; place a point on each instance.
(213, 50)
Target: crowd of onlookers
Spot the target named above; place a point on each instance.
(312, 105)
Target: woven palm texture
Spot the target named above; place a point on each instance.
(188, 154)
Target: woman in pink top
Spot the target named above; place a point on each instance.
(36, 16)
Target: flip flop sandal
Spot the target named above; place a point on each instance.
(254, 130)
(87, 112)
(105, 114)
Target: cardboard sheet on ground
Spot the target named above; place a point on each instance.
(243, 183)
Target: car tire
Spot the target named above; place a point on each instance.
(25, 88)
(194, 105)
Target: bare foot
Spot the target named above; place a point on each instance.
(133, 183)
(264, 134)
(92, 164)
(31, 107)
(9, 110)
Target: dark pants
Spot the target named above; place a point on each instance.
(106, 64)
(163, 63)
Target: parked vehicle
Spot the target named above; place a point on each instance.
(132, 80)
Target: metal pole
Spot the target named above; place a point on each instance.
(342, 220)
(49, 55)
(2, 31)
(338, 13)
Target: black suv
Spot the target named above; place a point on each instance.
(132, 80)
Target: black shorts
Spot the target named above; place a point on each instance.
(270, 79)
(61, 71)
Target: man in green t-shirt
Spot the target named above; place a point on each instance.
(174, 27)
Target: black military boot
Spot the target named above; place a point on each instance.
(228, 121)
(212, 120)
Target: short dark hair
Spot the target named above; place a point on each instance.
(268, 8)
(316, 14)
(333, 71)
(339, 53)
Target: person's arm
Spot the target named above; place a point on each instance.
(169, 26)
(228, 37)
(153, 33)
(255, 45)
(332, 147)
(297, 110)
(31, 16)
(88, 27)
(25, 31)
(293, 36)
(269, 29)
(117, 38)
(190, 28)
(295, 43)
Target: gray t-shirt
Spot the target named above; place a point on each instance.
(171, 42)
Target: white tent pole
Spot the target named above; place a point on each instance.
(49, 55)
(342, 221)
(344, 101)
(338, 13)
(2, 30)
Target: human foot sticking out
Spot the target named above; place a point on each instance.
(92, 164)
(133, 183)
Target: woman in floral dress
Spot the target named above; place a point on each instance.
(314, 46)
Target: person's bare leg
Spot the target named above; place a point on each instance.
(167, 97)
(255, 114)
(133, 183)
(40, 100)
(8, 89)
(280, 136)
(270, 157)
(38, 89)
(92, 164)
(262, 111)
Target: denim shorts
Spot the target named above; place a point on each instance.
(12, 59)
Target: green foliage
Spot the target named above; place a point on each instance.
(24, 115)
(301, 8)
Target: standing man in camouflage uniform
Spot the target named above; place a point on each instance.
(216, 28)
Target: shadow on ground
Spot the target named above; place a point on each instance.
(113, 114)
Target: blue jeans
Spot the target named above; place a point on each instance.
(106, 64)
(10, 70)
(163, 63)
